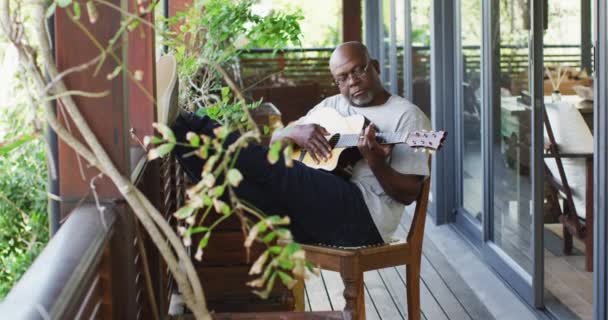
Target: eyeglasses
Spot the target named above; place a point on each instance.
(357, 73)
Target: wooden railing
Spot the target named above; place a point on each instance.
(79, 274)
(70, 279)
(265, 67)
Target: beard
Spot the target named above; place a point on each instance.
(362, 100)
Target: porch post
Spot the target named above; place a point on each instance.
(442, 107)
(600, 163)
(351, 20)
(108, 118)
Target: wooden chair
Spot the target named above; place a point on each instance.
(352, 262)
(569, 174)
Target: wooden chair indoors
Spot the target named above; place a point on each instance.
(352, 262)
(569, 175)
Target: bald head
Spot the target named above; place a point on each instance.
(348, 51)
(357, 75)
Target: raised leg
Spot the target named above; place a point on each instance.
(412, 274)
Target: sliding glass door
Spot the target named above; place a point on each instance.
(499, 125)
(513, 145)
(468, 116)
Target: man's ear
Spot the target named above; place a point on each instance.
(376, 65)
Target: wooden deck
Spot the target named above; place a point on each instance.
(444, 293)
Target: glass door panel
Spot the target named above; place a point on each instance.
(512, 221)
(471, 111)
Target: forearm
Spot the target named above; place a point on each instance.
(401, 187)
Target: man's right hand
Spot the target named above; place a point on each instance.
(310, 137)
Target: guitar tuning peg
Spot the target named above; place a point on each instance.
(416, 150)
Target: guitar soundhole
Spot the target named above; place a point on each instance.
(334, 140)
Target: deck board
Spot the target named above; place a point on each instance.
(380, 296)
(396, 288)
(318, 297)
(335, 289)
(371, 312)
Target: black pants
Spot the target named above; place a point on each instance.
(323, 208)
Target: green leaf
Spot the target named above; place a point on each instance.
(63, 3)
(292, 248)
(275, 249)
(262, 226)
(115, 73)
(203, 151)
(234, 177)
(92, 12)
(196, 230)
(288, 155)
(204, 241)
(284, 233)
(207, 200)
(184, 212)
(134, 24)
(210, 163)
(218, 191)
(286, 264)
(165, 131)
(225, 93)
(76, 8)
(152, 140)
(269, 237)
(194, 139)
(273, 153)
(12, 145)
(287, 280)
(160, 151)
(225, 209)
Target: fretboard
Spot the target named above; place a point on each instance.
(350, 140)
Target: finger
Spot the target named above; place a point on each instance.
(361, 144)
(320, 148)
(323, 131)
(323, 144)
(370, 132)
(387, 149)
(311, 151)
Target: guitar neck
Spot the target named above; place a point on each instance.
(351, 140)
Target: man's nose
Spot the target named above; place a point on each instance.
(351, 80)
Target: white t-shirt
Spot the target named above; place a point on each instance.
(396, 115)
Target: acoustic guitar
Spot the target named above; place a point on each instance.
(345, 132)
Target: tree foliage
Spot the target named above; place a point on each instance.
(23, 215)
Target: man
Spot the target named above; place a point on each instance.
(323, 207)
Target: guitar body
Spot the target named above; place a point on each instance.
(345, 133)
(331, 120)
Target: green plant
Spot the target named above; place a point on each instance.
(48, 85)
(23, 217)
(216, 31)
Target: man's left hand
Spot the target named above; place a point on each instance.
(371, 150)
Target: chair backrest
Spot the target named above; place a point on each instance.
(166, 90)
(416, 232)
(566, 128)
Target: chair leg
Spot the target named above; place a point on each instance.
(412, 273)
(354, 293)
(567, 240)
